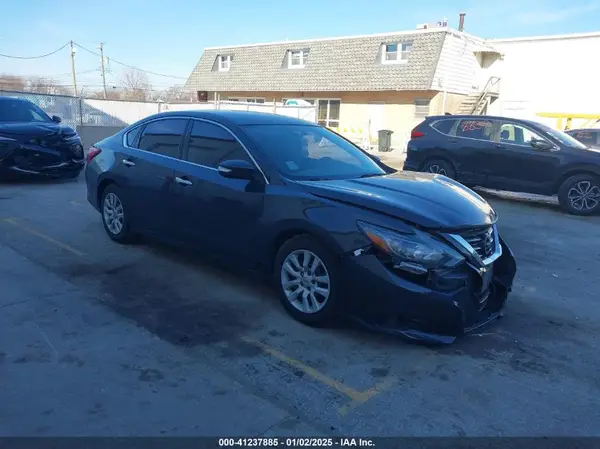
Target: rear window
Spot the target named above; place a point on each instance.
(444, 126)
(475, 129)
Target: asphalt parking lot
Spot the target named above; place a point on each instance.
(102, 339)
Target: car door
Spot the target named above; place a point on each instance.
(148, 168)
(517, 165)
(470, 141)
(211, 211)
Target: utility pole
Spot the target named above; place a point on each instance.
(73, 67)
(102, 68)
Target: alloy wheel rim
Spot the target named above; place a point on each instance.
(436, 169)
(584, 196)
(305, 281)
(113, 213)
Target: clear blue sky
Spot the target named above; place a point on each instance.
(169, 36)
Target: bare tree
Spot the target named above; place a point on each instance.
(176, 93)
(136, 85)
(45, 86)
(12, 82)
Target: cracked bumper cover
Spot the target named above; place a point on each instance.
(385, 300)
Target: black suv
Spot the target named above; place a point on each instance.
(508, 154)
(588, 136)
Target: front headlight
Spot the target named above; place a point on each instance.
(416, 252)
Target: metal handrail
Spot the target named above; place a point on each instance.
(491, 82)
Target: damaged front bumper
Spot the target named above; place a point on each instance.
(449, 304)
(29, 159)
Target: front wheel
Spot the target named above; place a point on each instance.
(580, 195)
(308, 279)
(439, 167)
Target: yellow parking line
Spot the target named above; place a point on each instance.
(336, 385)
(15, 222)
(357, 397)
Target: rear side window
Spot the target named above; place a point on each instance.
(132, 136)
(479, 129)
(163, 137)
(444, 126)
(210, 145)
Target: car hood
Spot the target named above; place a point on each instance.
(19, 130)
(430, 201)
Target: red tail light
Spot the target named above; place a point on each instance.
(92, 153)
(414, 134)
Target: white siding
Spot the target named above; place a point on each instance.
(556, 74)
(458, 67)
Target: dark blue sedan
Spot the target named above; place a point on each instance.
(338, 231)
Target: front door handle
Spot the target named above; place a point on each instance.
(502, 147)
(183, 181)
(128, 162)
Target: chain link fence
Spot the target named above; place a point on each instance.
(76, 111)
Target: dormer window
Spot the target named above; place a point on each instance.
(297, 59)
(224, 63)
(395, 53)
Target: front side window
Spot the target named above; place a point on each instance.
(305, 152)
(13, 110)
(163, 137)
(209, 145)
(518, 135)
(328, 113)
(479, 129)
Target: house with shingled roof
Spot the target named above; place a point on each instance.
(359, 84)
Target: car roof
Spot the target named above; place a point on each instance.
(239, 118)
(14, 99)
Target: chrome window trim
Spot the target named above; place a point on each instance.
(124, 143)
(483, 264)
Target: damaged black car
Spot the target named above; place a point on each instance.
(339, 233)
(34, 144)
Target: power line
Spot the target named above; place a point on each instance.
(35, 57)
(130, 66)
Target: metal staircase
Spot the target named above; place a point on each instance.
(478, 102)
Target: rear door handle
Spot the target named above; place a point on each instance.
(128, 162)
(183, 181)
(499, 146)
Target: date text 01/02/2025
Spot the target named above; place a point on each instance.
(295, 442)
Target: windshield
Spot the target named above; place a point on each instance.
(562, 137)
(21, 111)
(305, 152)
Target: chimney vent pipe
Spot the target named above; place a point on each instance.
(461, 21)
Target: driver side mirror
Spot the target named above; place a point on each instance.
(56, 119)
(541, 145)
(237, 169)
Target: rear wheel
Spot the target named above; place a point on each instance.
(439, 167)
(580, 195)
(308, 279)
(114, 215)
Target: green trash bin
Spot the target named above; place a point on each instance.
(384, 140)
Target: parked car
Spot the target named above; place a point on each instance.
(32, 143)
(413, 254)
(589, 137)
(508, 154)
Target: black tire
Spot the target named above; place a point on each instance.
(439, 166)
(569, 189)
(124, 235)
(333, 304)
